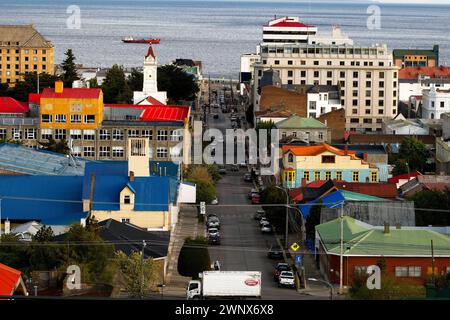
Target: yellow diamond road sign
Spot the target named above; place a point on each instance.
(295, 246)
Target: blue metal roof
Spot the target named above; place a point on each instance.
(51, 200)
(151, 193)
(17, 158)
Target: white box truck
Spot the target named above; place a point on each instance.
(225, 285)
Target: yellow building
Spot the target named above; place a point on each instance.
(324, 162)
(23, 50)
(71, 108)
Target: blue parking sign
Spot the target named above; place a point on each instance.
(298, 259)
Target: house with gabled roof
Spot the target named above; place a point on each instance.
(405, 252)
(324, 162)
(301, 128)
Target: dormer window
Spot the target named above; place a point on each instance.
(127, 200)
(290, 157)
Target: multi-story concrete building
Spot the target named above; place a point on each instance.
(416, 57)
(322, 99)
(435, 102)
(23, 50)
(367, 76)
(67, 116)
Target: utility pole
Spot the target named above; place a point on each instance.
(432, 262)
(341, 259)
(37, 82)
(144, 244)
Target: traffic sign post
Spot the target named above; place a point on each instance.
(202, 208)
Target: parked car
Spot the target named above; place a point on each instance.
(275, 252)
(215, 201)
(214, 239)
(213, 223)
(286, 279)
(213, 232)
(216, 265)
(243, 164)
(280, 267)
(267, 228)
(252, 192)
(211, 215)
(223, 170)
(259, 214)
(248, 177)
(215, 116)
(256, 199)
(263, 221)
(234, 168)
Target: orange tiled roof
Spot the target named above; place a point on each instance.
(433, 72)
(315, 150)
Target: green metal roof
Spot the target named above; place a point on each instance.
(296, 122)
(402, 52)
(361, 239)
(355, 196)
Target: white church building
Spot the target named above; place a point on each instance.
(150, 94)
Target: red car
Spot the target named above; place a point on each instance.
(256, 199)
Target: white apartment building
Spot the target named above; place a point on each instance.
(322, 99)
(246, 71)
(367, 77)
(435, 102)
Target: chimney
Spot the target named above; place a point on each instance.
(386, 228)
(304, 182)
(59, 86)
(398, 226)
(365, 157)
(7, 227)
(346, 149)
(131, 176)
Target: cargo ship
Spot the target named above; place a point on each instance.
(148, 40)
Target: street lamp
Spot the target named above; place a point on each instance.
(287, 216)
(325, 282)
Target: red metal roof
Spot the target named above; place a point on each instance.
(154, 101)
(382, 190)
(296, 194)
(165, 113)
(9, 279)
(10, 105)
(290, 24)
(72, 93)
(316, 183)
(395, 179)
(150, 53)
(34, 98)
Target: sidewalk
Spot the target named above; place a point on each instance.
(187, 226)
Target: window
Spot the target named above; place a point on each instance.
(316, 74)
(89, 118)
(338, 175)
(89, 151)
(176, 135)
(162, 135)
(161, 152)
(75, 118)
(317, 175)
(30, 133)
(355, 74)
(104, 151)
(290, 73)
(381, 75)
(329, 74)
(401, 271)
(46, 118)
(381, 84)
(117, 134)
(147, 134)
(312, 105)
(75, 134)
(290, 62)
(277, 62)
(414, 271)
(46, 134)
(316, 63)
(327, 175)
(104, 134)
(368, 74)
(89, 135)
(133, 133)
(2, 133)
(125, 220)
(374, 176)
(290, 157)
(306, 175)
(320, 135)
(117, 152)
(355, 176)
(303, 73)
(328, 159)
(60, 134)
(60, 118)
(342, 74)
(355, 84)
(16, 133)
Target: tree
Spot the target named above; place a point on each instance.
(206, 191)
(435, 200)
(43, 253)
(93, 83)
(194, 257)
(178, 84)
(136, 80)
(13, 252)
(313, 220)
(59, 146)
(69, 69)
(400, 167)
(275, 214)
(29, 84)
(115, 87)
(414, 152)
(140, 276)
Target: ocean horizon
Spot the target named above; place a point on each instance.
(215, 32)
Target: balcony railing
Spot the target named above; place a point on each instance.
(19, 121)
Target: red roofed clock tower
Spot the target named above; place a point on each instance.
(150, 73)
